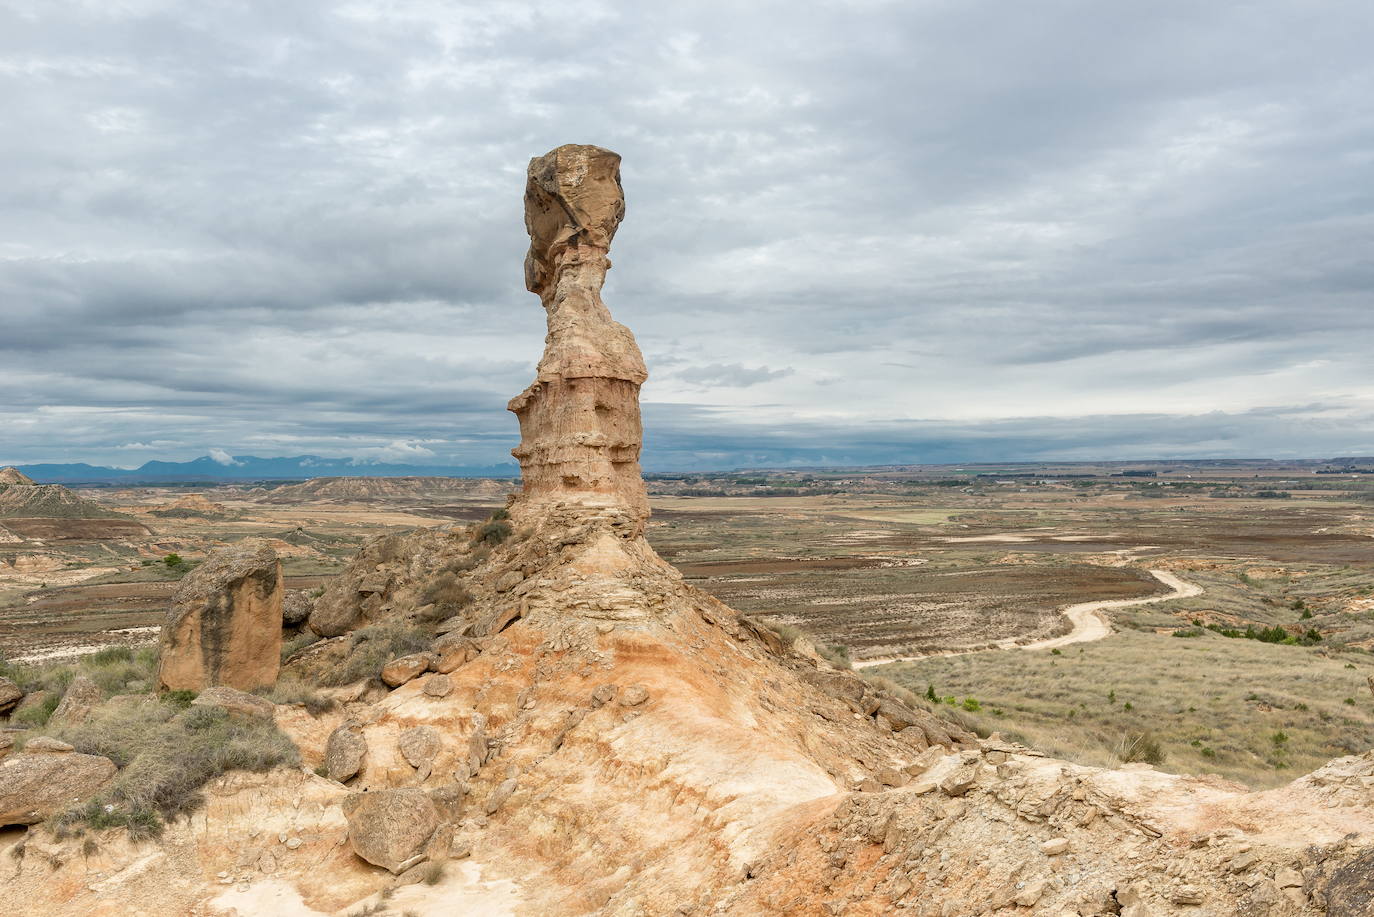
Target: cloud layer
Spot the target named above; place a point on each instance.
(856, 231)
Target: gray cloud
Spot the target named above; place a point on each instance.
(966, 230)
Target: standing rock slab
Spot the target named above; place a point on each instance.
(37, 785)
(224, 626)
(389, 827)
(344, 752)
(83, 696)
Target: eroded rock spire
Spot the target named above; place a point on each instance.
(579, 420)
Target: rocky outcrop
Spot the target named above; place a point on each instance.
(12, 475)
(381, 581)
(579, 421)
(41, 782)
(81, 697)
(389, 828)
(224, 626)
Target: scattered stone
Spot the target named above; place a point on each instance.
(47, 745)
(344, 752)
(508, 581)
(6, 743)
(224, 625)
(921, 787)
(1188, 894)
(236, 702)
(293, 843)
(37, 785)
(633, 696)
(1029, 895)
(399, 671)
(996, 757)
(10, 695)
(390, 827)
(604, 694)
(961, 779)
(1288, 877)
(1054, 847)
(869, 785)
(438, 686)
(498, 796)
(419, 745)
(82, 696)
(890, 776)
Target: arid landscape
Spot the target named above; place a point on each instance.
(1129, 689)
(949, 570)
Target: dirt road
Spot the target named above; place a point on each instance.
(1089, 622)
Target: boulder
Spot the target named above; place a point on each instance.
(48, 745)
(237, 702)
(399, 671)
(452, 651)
(390, 827)
(35, 785)
(10, 695)
(345, 751)
(82, 696)
(224, 626)
(295, 608)
(419, 745)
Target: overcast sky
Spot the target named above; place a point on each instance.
(856, 232)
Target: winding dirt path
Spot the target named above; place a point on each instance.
(1089, 623)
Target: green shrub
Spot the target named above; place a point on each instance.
(972, 705)
(178, 699)
(109, 655)
(173, 561)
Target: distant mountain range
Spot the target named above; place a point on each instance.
(252, 468)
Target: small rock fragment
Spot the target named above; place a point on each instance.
(438, 686)
(604, 694)
(1055, 846)
(633, 696)
(499, 795)
(344, 751)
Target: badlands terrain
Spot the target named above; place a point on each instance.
(1072, 690)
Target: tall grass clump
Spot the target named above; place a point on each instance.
(165, 756)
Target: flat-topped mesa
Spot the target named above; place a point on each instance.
(579, 421)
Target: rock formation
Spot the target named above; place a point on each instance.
(631, 746)
(12, 475)
(579, 421)
(224, 626)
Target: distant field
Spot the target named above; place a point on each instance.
(905, 562)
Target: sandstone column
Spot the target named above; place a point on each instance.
(579, 421)
(224, 626)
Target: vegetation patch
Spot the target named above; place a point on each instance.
(370, 648)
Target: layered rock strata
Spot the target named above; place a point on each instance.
(579, 421)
